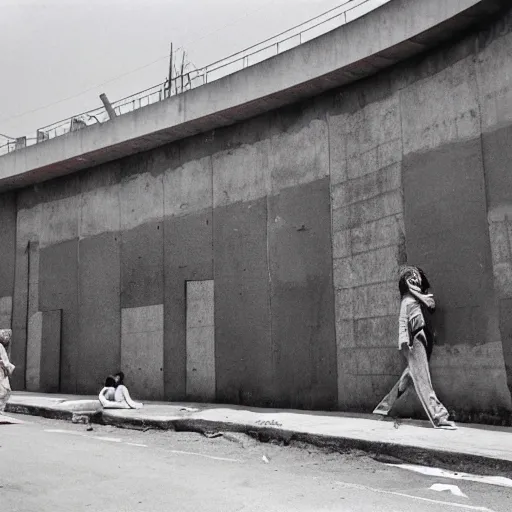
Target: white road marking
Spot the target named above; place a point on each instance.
(443, 473)
(118, 440)
(450, 488)
(410, 496)
(58, 431)
(108, 439)
(81, 434)
(203, 455)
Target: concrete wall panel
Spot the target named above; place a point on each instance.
(299, 154)
(99, 311)
(243, 349)
(188, 188)
(368, 241)
(28, 224)
(447, 235)
(200, 341)
(100, 210)
(142, 209)
(7, 244)
(142, 351)
(241, 174)
(50, 352)
(141, 197)
(34, 349)
(302, 297)
(58, 289)
(142, 281)
(497, 159)
(6, 312)
(188, 255)
(495, 98)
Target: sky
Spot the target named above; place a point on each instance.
(58, 56)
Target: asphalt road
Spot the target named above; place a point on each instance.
(54, 466)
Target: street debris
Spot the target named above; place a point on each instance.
(450, 488)
(212, 435)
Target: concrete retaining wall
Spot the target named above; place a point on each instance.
(300, 217)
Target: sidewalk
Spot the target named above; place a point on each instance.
(409, 441)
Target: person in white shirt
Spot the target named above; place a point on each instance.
(115, 395)
(6, 368)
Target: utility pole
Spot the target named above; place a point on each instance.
(170, 72)
(108, 107)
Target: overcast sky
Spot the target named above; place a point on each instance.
(51, 50)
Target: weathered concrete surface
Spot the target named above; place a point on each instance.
(187, 248)
(142, 350)
(227, 473)
(413, 441)
(188, 255)
(368, 244)
(244, 353)
(302, 297)
(201, 380)
(50, 352)
(447, 231)
(99, 297)
(59, 290)
(6, 312)
(142, 210)
(34, 342)
(301, 218)
(495, 93)
(393, 32)
(7, 257)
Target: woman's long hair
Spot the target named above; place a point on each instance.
(406, 273)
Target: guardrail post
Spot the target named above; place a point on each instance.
(21, 142)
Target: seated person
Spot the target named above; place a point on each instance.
(107, 394)
(115, 394)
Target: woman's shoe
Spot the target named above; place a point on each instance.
(446, 425)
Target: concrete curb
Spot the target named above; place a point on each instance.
(382, 451)
(54, 413)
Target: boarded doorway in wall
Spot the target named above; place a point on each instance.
(142, 351)
(200, 341)
(43, 351)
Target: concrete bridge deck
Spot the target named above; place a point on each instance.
(385, 36)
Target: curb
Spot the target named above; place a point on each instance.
(381, 451)
(53, 413)
(378, 450)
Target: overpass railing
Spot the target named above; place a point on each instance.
(321, 24)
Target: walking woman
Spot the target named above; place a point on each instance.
(6, 368)
(415, 341)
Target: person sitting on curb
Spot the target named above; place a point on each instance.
(107, 394)
(6, 368)
(115, 395)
